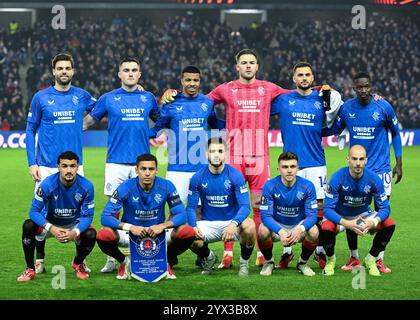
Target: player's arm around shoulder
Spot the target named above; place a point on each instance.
(98, 111)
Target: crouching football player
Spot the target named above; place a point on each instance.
(348, 197)
(288, 213)
(143, 201)
(224, 208)
(68, 199)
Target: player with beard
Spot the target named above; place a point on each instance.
(62, 207)
(128, 110)
(302, 118)
(224, 208)
(56, 115)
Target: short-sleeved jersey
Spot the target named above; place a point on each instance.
(143, 208)
(247, 114)
(368, 126)
(348, 197)
(301, 121)
(57, 118)
(128, 123)
(288, 206)
(223, 196)
(63, 205)
(187, 118)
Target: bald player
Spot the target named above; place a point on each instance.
(347, 203)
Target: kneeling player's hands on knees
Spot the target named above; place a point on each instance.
(229, 232)
(370, 226)
(155, 230)
(138, 231)
(65, 236)
(355, 225)
(57, 232)
(294, 236)
(198, 234)
(284, 237)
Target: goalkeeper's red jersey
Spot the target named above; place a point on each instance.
(247, 114)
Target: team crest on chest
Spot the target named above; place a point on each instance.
(75, 100)
(317, 105)
(228, 184)
(367, 189)
(158, 198)
(300, 195)
(143, 99)
(261, 91)
(375, 116)
(204, 107)
(78, 197)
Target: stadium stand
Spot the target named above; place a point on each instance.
(385, 49)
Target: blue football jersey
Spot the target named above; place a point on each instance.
(301, 122)
(65, 206)
(223, 196)
(369, 126)
(143, 208)
(348, 197)
(288, 206)
(187, 118)
(57, 118)
(128, 123)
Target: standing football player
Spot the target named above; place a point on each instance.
(56, 116)
(128, 110)
(302, 118)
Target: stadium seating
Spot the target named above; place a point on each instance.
(385, 49)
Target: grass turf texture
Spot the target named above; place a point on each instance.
(402, 253)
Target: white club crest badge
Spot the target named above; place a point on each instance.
(158, 198)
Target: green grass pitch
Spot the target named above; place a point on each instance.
(402, 255)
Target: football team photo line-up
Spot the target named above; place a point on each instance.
(296, 206)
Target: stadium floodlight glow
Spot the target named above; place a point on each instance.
(15, 10)
(244, 11)
(259, 15)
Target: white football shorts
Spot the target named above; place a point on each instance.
(212, 230)
(115, 174)
(387, 180)
(318, 176)
(288, 228)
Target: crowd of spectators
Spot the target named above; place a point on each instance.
(388, 49)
